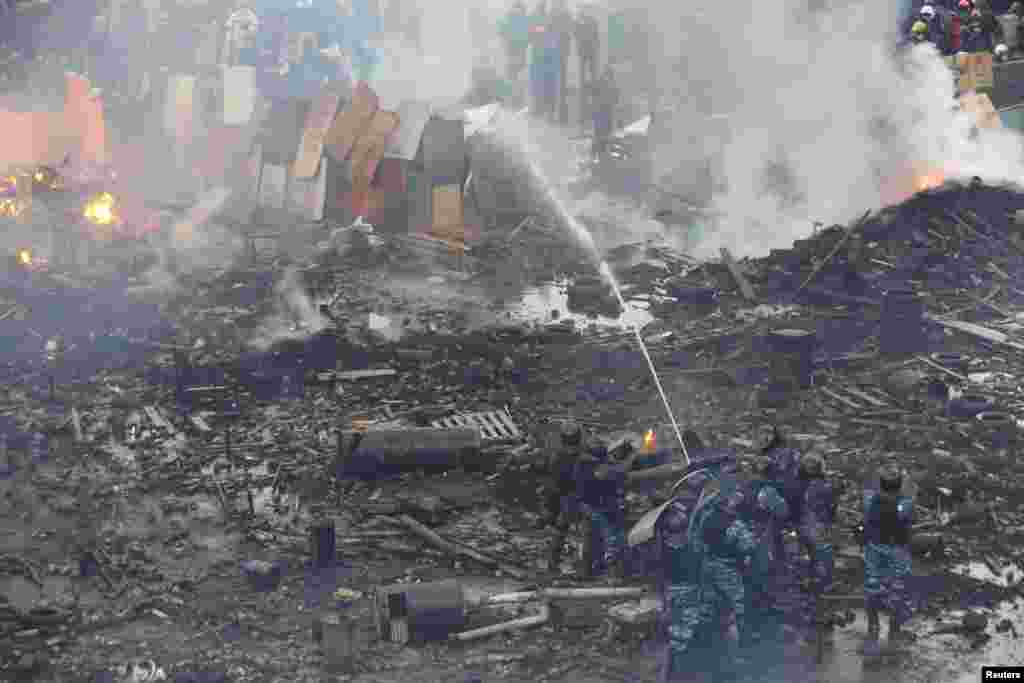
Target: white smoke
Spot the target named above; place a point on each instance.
(819, 109)
(296, 315)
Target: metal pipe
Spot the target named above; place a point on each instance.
(604, 593)
(513, 625)
(606, 271)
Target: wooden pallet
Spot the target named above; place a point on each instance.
(495, 426)
(858, 398)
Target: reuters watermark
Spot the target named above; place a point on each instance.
(1002, 673)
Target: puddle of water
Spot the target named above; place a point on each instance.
(844, 660)
(1003, 649)
(537, 304)
(1008, 575)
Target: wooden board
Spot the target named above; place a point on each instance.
(981, 68)
(273, 181)
(239, 95)
(314, 135)
(350, 124)
(444, 151)
(180, 106)
(976, 71)
(980, 107)
(369, 150)
(251, 171)
(306, 196)
(447, 209)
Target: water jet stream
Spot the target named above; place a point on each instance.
(606, 271)
(581, 233)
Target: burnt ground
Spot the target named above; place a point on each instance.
(168, 516)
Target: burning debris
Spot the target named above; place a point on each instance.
(100, 210)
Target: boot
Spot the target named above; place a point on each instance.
(871, 646)
(897, 635)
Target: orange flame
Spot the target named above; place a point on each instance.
(11, 208)
(25, 257)
(928, 181)
(100, 209)
(649, 440)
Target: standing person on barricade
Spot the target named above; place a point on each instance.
(515, 33)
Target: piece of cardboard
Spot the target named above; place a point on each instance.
(391, 175)
(351, 122)
(981, 68)
(284, 131)
(444, 150)
(179, 110)
(405, 142)
(251, 171)
(94, 133)
(239, 95)
(306, 196)
(318, 122)
(980, 107)
(369, 150)
(224, 147)
(273, 186)
(447, 209)
(965, 67)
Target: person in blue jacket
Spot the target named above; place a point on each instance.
(936, 27)
(888, 519)
(685, 613)
(977, 39)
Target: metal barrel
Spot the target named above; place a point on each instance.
(902, 328)
(791, 357)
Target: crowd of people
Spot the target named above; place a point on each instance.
(720, 544)
(967, 26)
(541, 42)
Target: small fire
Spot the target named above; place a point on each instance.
(100, 209)
(929, 181)
(649, 440)
(25, 257)
(9, 186)
(48, 178)
(11, 208)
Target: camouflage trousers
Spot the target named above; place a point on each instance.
(886, 569)
(816, 538)
(723, 592)
(686, 613)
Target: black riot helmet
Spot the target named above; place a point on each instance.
(890, 479)
(572, 434)
(812, 466)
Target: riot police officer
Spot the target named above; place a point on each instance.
(765, 511)
(888, 518)
(562, 502)
(725, 545)
(686, 614)
(817, 515)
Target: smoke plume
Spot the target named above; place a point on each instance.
(820, 110)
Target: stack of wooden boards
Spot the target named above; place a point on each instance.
(338, 156)
(402, 169)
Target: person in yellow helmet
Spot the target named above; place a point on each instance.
(919, 32)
